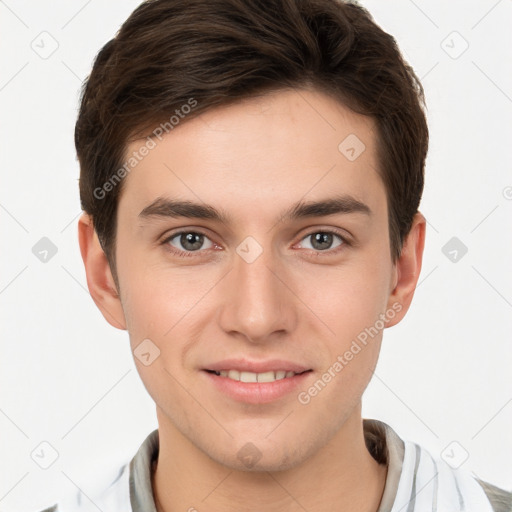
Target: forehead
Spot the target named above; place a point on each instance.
(259, 153)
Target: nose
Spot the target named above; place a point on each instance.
(258, 303)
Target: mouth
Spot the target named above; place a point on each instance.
(256, 382)
(263, 377)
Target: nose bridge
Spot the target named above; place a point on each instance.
(256, 303)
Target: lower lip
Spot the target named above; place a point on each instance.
(257, 392)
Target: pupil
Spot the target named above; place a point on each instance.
(322, 238)
(192, 241)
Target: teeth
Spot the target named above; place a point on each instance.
(266, 377)
(248, 377)
(270, 376)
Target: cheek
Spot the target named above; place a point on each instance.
(348, 298)
(159, 301)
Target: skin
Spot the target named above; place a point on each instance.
(295, 302)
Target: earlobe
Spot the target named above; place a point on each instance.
(408, 268)
(99, 276)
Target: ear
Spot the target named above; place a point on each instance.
(407, 270)
(100, 282)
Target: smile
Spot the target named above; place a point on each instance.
(243, 376)
(260, 387)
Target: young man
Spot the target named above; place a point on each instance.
(250, 177)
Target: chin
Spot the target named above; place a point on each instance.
(262, 456)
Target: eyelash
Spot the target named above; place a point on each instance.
(189, 254)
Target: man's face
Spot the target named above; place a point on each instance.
(258, 290)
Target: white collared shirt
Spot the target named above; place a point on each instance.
(416, 481)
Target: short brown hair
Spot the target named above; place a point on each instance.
(217, 52)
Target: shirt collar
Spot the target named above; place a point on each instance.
(382, 442)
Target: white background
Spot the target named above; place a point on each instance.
(68, 377)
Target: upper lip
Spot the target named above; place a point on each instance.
(245, 365)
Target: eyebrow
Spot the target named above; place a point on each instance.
(166, 207)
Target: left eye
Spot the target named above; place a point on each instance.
(190, 241)
(323, 240)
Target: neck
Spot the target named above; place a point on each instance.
(340, 476)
